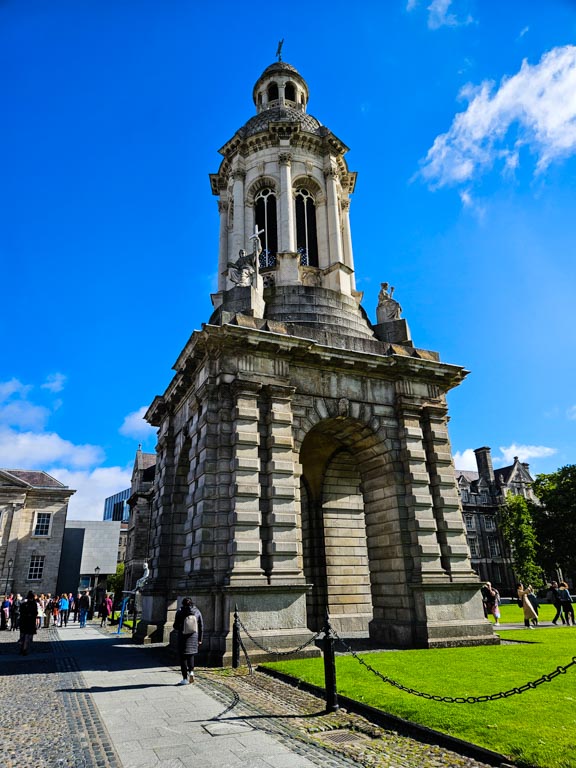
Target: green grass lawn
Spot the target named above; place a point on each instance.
(535, 728)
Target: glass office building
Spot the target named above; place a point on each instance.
(116, 507)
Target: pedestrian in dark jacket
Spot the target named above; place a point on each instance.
(190, 627)
(28, 616)
(555, 595)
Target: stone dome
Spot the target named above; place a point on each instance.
(259, 122)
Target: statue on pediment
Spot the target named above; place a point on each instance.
(388, 308)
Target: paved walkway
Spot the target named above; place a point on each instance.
(88, 699)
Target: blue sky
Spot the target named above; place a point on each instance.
(461, 119)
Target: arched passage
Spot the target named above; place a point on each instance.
(350, 526)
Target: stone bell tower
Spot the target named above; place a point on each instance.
(303, 458)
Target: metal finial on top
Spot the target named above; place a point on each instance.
(279, 51)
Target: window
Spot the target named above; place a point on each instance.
(464, 495)
(489, 523)
(265, 211)
(290, 92)
(493, 546)
(484, 498)
(36, 568)
(469, 522)
(306, 241)
(42, 527)
(496, 573)
(273, 92)
(473, 545)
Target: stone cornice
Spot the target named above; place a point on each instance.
(396, 363)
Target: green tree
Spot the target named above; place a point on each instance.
(555, 519)
(517, 527)
(115, 583)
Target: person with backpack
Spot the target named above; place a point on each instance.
(190, 627)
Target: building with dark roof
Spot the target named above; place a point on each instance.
(33, 509)
(138, 530)
(483, 493)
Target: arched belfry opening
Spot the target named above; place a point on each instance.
(303, 457)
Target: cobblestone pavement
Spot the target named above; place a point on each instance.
(44, 725)
(123, 711)
(294, 714)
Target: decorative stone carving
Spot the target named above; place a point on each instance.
(242, 271)
(388, 308)
(285, 158)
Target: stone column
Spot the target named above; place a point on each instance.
(245, 546)
(447, 512)
(347, 240)
(223, 245)
(282, 548)
(286, 233)
(334, 231)
(322, 232)
(425, 550)
(238, 236)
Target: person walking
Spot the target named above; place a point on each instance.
(190, 627)
(554, 593)
(15, 612)
(84, 607)
(105, 610)
(493, 602)
(63, 608)
(566, 603)
(76, 608)
(524, 602)
(28, 628)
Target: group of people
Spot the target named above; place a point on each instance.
(55, 609)
(528, 601)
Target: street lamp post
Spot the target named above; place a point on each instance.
(95, 590)
(10, 564)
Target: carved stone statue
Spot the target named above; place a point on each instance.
(143, 579)
(242, 271)
(388, 308)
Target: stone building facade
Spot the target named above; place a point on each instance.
(482, 494)
(138, 526)
(33, 509)
(303, 458)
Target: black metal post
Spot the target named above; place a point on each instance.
(235, 640)
(330, 668)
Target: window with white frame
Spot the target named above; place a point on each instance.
(493, 546)
(42, 527)
(489, 523)
(473, 546)
(36, 568)
(464, 494)
(469, 522)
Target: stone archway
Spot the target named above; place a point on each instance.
(350, 527)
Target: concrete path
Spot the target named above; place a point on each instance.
(154, 723)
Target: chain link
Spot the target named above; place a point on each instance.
(456, 699)
(279, 653)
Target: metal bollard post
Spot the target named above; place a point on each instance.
(330, 669)
(235, 640)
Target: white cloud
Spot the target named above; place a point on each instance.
(13, 387)
(54, 382)
(36, 450)
(523, 31)
(439, 14)
(571, 413)
(92, 488)
(539, 100)
(135, 426)
(465, 460)
(23, 415)
(524, 452)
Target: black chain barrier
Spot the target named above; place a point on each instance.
(272, 650)
(456, 699)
